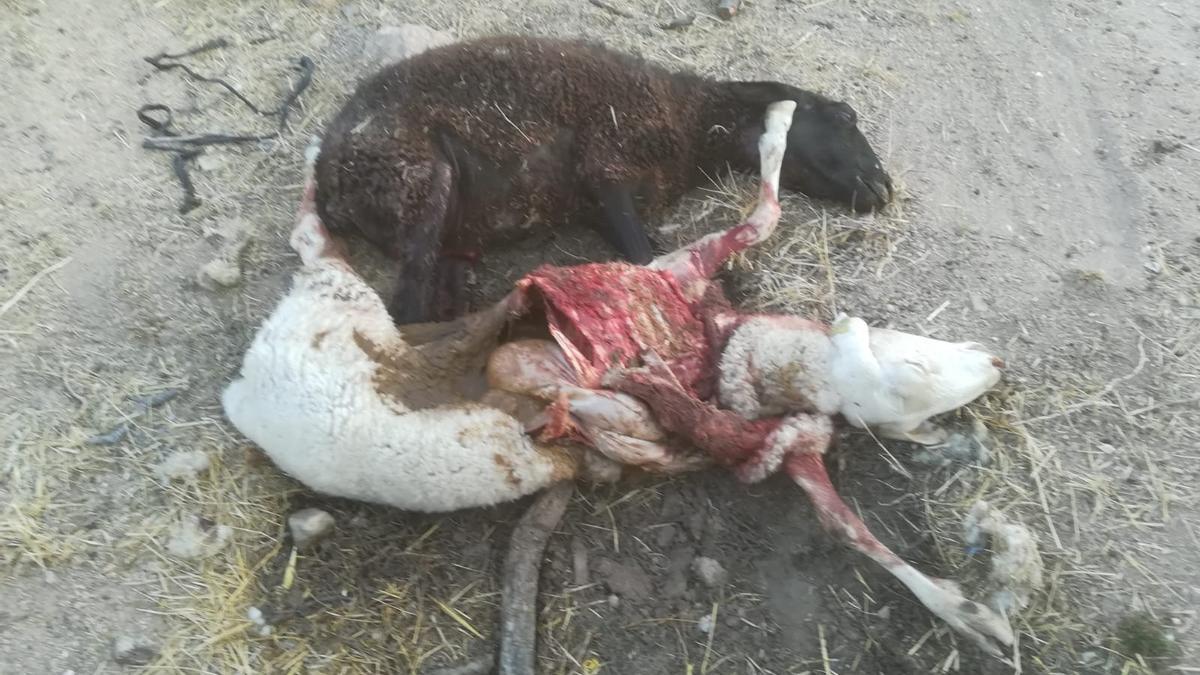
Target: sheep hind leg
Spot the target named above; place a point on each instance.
(941, 596)
(618, 426)
(419, 250)
(309, 238)
(451, 274)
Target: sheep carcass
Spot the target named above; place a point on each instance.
(330, 388)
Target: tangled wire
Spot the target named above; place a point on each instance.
(160, 118)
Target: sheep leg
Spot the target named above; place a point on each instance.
(726, 436)
(451, 277)
(519, 583)
(700, 260)
(457, 346)
(309, 238)
(620, 225)
(940, 596)
(618, 426)
(419, 250)
(925, 433)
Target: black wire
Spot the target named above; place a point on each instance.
(160, 118)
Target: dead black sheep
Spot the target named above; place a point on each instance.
(473, 143)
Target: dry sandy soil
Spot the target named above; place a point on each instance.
(1049, 155)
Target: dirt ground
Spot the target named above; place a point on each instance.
(1049, 155)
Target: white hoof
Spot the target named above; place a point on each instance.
(974, 620)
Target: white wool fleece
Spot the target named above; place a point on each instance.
(306, 396)
(774, 365)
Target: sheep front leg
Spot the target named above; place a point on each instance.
(454, 346)
(619, 223)
(694, 264)
(940, 596)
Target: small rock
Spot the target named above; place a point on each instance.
(184, 465)
(225, 270)
(614, 601)
(256, 617)
(196, 538)
(209, 162)
(133, 651)
(627, 579)
(710, 572)
(219, 273)
(308, 526)
(396, 43)
(978, 304)
(665, 535)
(705, 624)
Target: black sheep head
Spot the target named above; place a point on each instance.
(827, 156)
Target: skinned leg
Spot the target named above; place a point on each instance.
(727, 437)
(309, 237)
(617, 425)
(696, 263)
(940, 596)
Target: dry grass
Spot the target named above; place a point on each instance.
(391, 596)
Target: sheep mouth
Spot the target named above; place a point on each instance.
(871, 194)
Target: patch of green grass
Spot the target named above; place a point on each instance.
(1140, 635)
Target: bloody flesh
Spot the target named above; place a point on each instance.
(606, 316)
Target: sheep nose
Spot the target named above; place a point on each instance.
(878, 191)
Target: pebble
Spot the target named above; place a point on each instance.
(309, 526)
(209, 161)
(705, 624)
(396, 43)
(710, 572)
(225, 270)
(183, 465)
(626, 579)
(194, 538)
(665, 535)
(255, 615)
(219, 273)
(133, 651)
